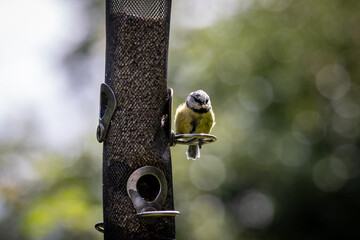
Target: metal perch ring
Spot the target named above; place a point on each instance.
(192, 138)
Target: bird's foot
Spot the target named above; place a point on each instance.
(201, 142)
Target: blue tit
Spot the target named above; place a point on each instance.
(194, 116)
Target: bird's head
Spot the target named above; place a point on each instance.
(199, 101)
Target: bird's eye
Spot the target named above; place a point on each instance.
(207, 100)
(197, 100)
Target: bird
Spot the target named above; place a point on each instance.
(195, 115)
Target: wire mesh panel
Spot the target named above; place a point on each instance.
(136, 70)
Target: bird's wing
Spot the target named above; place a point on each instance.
(183, 119)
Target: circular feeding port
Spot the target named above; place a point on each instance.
(148, 187)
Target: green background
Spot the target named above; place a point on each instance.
(283, 77)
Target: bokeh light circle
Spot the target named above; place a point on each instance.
(348, 106)
(308, 127)
(294, 153)
(265, 147)
(326, 178)
(207, 213)
(255, 209)
(286, 45)
(207, 173)
(255, 94)
(233, 68)
(333, 81)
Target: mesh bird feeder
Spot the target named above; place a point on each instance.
(134, 122)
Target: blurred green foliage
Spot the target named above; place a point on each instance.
(283, 77)
(284, 84)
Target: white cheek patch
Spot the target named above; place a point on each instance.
(193, 104)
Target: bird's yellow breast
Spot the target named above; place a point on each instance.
(189, 121)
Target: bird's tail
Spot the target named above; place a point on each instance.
(193, 152)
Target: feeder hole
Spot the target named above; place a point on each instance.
(148, 186)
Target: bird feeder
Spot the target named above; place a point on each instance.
(133, 122)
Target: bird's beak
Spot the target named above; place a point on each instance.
(204, 106)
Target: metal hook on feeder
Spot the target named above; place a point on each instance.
(107, 109)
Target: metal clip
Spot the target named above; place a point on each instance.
(147, 189)
(107, 109)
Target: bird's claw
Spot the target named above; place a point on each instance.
(201, 142)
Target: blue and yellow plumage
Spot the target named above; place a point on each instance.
(194, 116)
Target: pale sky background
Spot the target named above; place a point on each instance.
(35, 35)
